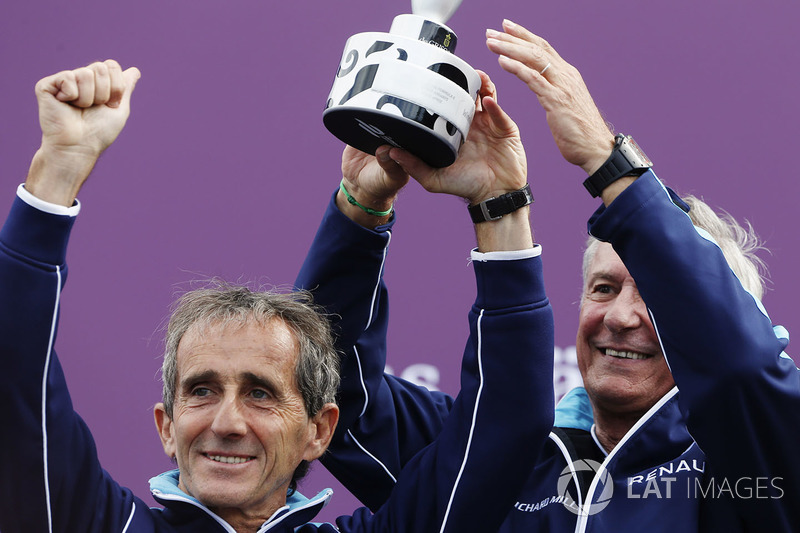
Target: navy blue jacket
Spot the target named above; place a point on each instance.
(51, 479)
(719, 456)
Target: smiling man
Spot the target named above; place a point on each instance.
(249, 378)
(690, 415)
(619, 356)
(235, 417)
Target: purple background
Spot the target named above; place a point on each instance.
(225, 167)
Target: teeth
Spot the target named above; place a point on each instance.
(229, 460)
(625, 355)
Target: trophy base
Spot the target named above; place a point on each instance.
(368, 129)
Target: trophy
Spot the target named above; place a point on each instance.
(405, 88)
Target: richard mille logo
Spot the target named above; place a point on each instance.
(569, 495)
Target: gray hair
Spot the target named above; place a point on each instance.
(317, 369)
(738, 243)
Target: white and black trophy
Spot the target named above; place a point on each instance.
(405, 88)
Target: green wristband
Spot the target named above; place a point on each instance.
(364, 208)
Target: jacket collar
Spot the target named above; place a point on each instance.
(660, 434)
(297, 511)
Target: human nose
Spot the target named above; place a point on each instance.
(626, 311)
(229, 421)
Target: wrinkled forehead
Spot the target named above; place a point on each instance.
(270, 341)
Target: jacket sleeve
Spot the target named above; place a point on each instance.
(468, 478)
(50, 477)
(738, 389)
(384, 420)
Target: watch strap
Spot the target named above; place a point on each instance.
(495, 208)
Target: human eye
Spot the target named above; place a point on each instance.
(601, 290)
(260, 394)
(200, 392)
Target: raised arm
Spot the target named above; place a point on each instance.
(48, 455)
(507, 361)
(386, 421)
(499, 420)
(738, 389)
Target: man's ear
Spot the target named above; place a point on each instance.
(321, 428)
(164, 427)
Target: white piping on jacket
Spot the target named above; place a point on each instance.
(472, 426)
(130, 518)
(360, 367)
(571, 464)
(583, 518)
(369, 323)
(178, 498)
(46, 371)
(293, 510)
(385, 468)
(593, 431)
(269, 524)
(378, 281)
(363, 382)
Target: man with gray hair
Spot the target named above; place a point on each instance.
(690, 412)
(250, 377)
(206, 318)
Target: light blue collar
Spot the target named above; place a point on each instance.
(575, 410)
(165, 489)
